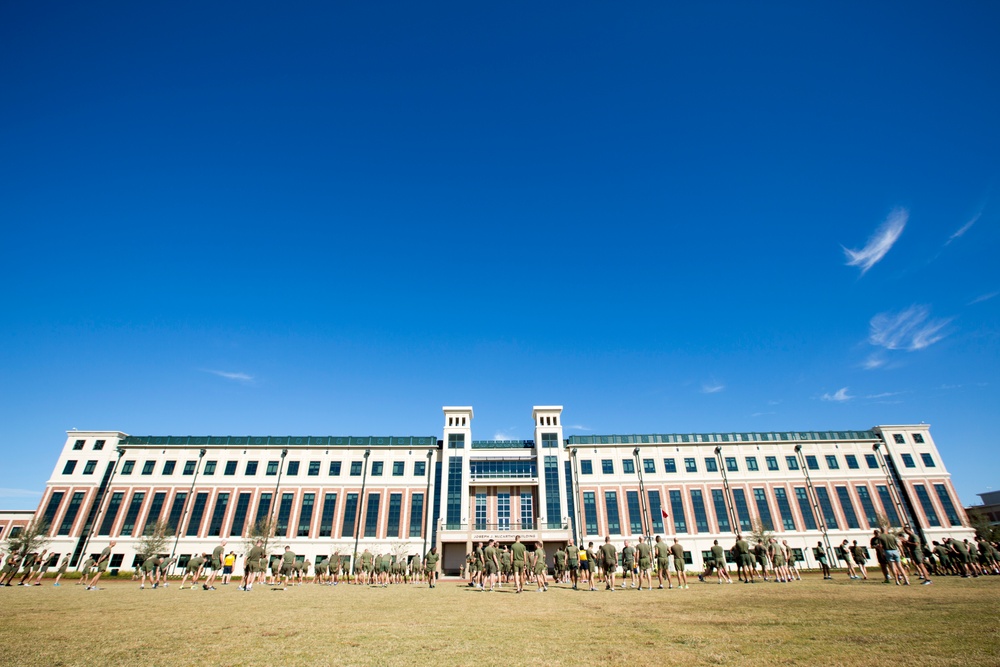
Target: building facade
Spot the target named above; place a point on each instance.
(402, 495)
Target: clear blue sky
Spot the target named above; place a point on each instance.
(333, 219)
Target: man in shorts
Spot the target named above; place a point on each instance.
(102, 565)
(609, 561)
(890, 547)
(541, 567)
(820, 554)
(491, 571)
(915, 551)
(63, 565)
(559, 567)
(744, 562)
(719, 556)
(844, 554)
(150, 568)
(588, 564)
(215, 563)
(679, 566)
(858, 554)
(506, 566)
(518, 557)
(645, 561)
(573, 563)
(430, 565)
(193, 570)
(287, 567)
(228, 563)
(628, 563)
(662, 552)
(252, 565)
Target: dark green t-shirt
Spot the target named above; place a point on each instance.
(288, 558)
(608, 554)
(662, 551)
(628, 554)
(573, 554)
(517, 551)
(432, 560)
(644, 551)
(718, 554)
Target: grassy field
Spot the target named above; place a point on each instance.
(814, 622)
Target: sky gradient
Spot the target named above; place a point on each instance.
(333, 219)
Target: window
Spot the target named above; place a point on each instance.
(867, 505)
(586, 467)
(453, 518)
(272, 468)
(417, 514)
(128, 467)
(949, 506)
(197, 512)
(812, 462)
(611, 506)
(871, 461)
(831, 462)
(847, 506)
(852, 461)
(98, 445)
(553, 505)
(807, 513)
(634, 513)
(456, 441)
(550, 440)
(925, 502)
(648, 465)
(917, 438)
(772, 462)
(313, 469)
(70, 517)
(112, 513)
(155, 509)
(210, 467)
(147, 467)
(350, 515)
(763, 509)
(53, 506)
(334, 468)
(792, 462)
(589, 512)
(355, 468)
(293, 468)
(888, 505)
(908, 461)
(731, 464)
(305, 516)
(700, 516)
(397, 469)
(752, 463)
(655, 511)
(395, 510)
(230, 468)
(898, 437)
(742, 510)
(251, 468)
(721, 513)
(787, 520)
(628, 467)
(78, 445)
(284, 513)
(827, 507)
(218, 514)
(419, 470)
(711, 465)
(88, 468)
(128, 527)
(928, 460)
(669, 465)
(527, 510)
(189, 467)
(503, 511)
(690, 465)
(168, 467)
(607, 466)
(326, 518)
(69, 468)
(174, 518)
(377, 468)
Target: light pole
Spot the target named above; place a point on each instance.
(100, 509)
(177, 537)
(576, 492)
(361, 504)
(427, 504)
(817, 510)
(734, 520)
(642, 495)
(274, 503)
(894, 493)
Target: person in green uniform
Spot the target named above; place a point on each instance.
(915, 551)
(609, 561)
(719, 557)
(518, 553)
(287, 566)
(430, 565)
(858, 555)
(744, 565)
(559, 565)
(193, 569)
(679, 566)
(644, 556)
(87, 570)
(588, 564)
(215, 563)
(506, 567)
(102, 564)
(890, 547)
(778, 562)
(9, 567)
(541, 567)
(491, 571)
(662, 552)
(573, 563)
(63, 565)
(628, 563)
(252, 567)
(149, 568)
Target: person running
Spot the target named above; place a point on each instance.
(679, 566)
(645, 560)
(541, 567)
(430, 565)
(858, 554)
(193, 569)
(252, 565)
(518, 553)
(9, 569)
(628, 563)
(662, 552)
(719, 556)
(890, 546)
(844, 554)
(63, 566)
(216, 564)
(609, 561)
(32, 568)
(102, 564)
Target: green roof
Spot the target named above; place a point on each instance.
(280, 441)
(698, 438)
(503, 444)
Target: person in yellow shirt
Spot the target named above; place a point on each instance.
(228, 563)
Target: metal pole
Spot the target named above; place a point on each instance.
(815, 503)
(197, 467)
(361, 503)
(576, 503)
(274, 501)
(734, 520)
(427, 505)
(100, 510)
(642, 495)
(894, 493)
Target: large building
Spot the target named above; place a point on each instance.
(405, 494)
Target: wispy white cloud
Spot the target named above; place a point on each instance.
(873, 361)
(712, 387)
(578, 427)
(237, 377)
(880, 242)
(501, 435)
(884, 394)
(761, 414)
(19, 493)
(911, 329)
(838, 396)
(982, 297)
(964, 228)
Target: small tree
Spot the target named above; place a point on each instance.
(761, 532)
(31, 539)
(984, 528)
(154, 540)
(262, 530)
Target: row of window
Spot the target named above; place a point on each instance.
(98, 445)
(312, 470)
(750, 462)
(900, 440)
(240, 515)
(737, 508)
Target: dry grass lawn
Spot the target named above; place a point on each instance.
(813, 622)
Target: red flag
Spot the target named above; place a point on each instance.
(664, 513)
